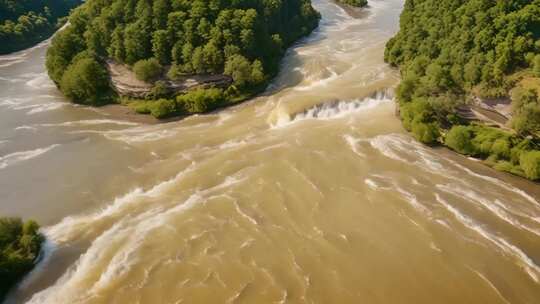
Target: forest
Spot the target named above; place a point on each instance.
(357, 3)
(244, 39)
(20, 243)
(24, 23)
(451, 52)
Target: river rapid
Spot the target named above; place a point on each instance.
(311, 193)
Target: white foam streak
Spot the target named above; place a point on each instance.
(71, 227)
(413, 201)
(17, 157)
(90, 122)
(492, 207)
(328, 111)
(114, 253)
(523, 260)
(353, 144)
(500, 183)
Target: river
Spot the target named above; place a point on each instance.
(310, 193)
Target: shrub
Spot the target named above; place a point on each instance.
(530, 163)
(160, 90)
(459, 139)
(527, 119)
(147, 69)
(163, 108)
(501, 148)
(536, 65)
(484, 139)
(425, 133)
(201, 100)
(86, 81)
(418, 110)
(20, 244)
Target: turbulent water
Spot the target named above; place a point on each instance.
(312, 193)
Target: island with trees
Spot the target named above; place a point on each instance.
(24, 23)
(471, 78)
(20, 245)
(355, 3)
(174, 57)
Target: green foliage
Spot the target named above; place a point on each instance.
(536, 65)
(526, 118)
(26, 22)
(459, 139)
(448, 50)
(427, 133)
(86, 82)
(160, 90)
(243, 38)
(530, 163)
(357, 3)
(20, 244)
(201, 100)
(243, 72)
(147, 69)
(448, 46)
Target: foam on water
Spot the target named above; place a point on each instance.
(114, 253)
(353, 144)
(494, 208)
(18, 157)
(41, 81)
(89, 122)
(522, 259)
(71, 227)
(332, 110)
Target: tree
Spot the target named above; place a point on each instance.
(257, 72)
(20, 243)
(536, 65)
(161, 46)
(86, 82)
(147, 69)
(239, 68)
(425, 133)
(459, 139)
(530, 163)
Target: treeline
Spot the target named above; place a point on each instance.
(357, 3)
(20, 244)
(242, 38)
(26, 22)
(451, 50)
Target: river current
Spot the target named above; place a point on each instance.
(310, 193)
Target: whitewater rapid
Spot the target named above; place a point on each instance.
(310, 193)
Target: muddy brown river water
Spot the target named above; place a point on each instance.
(311, 193)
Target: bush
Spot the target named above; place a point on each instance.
(459, 139)
(501, 148)
(160, 109)
(86, 82)
(20, 244)
(163, 108)
(357, 3)
(418, 110)
(425, 133)
(147, 69)
(530, 163)
(201, 100)
(160, 90)
(536, 65)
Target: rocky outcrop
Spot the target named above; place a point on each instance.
(125, 83)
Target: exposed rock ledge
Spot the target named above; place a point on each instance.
(125, 83)
(493, 112)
